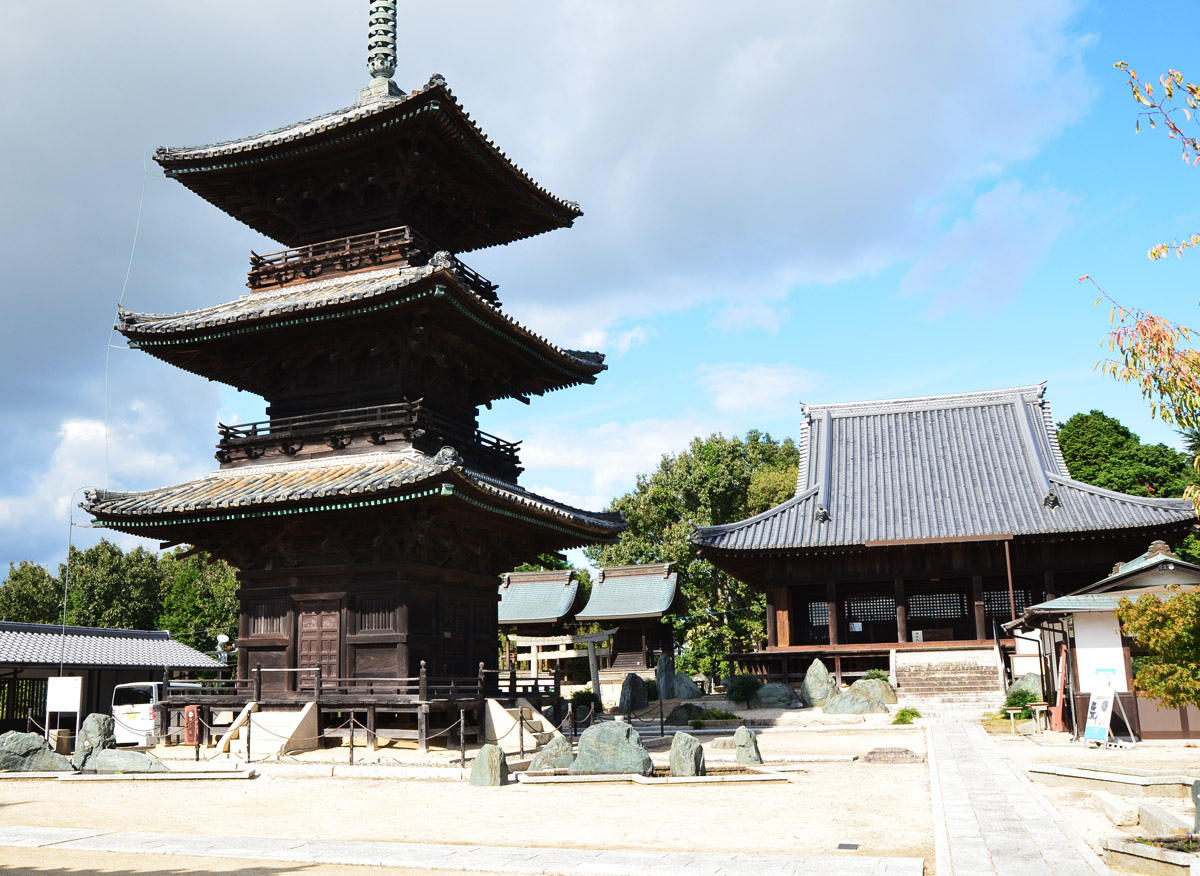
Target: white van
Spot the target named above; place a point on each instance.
(134, 711)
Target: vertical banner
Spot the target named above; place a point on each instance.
(1100, 706)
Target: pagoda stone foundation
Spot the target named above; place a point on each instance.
(369, 515)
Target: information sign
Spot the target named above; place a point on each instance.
(1100, 706)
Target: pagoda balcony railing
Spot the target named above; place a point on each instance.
(344, 255)
(410, 422)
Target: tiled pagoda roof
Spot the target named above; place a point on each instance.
(342, 298)
(631, 592)
(336, 484)
(498, 203)
(949, 467)
(537, 597)
(48, 644)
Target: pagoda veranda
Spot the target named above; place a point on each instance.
(369, 516)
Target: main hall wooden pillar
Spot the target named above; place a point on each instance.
(772, 635)
(981, 630)
(901, 612)
(834, 616)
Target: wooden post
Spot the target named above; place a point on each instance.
(901, 611)
(772, 635)
(1012, 599)
(423, 725)
(371, 729)
(164, 713)
(257, 682)
(557, 713)
(834, 618)
(662, 727)
(483, 680)
(423, 686)
(317, 685)
(512, 679)
(594, 666)
(521, 728)
(981, 631)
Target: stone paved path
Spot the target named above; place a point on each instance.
(498, 859)
(989, 819)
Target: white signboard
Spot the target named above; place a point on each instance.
(63, 694)
(1100, 705)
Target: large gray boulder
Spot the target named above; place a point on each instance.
(684, 713)
(490, 769)
(1030, 681)
(818, 685)
(30, 753)
(747, 746)
(96, 750)
(611, 748)
(633, 695)
(687, 756)
(556, 755)
(874, 689)
(775, 695)
(852, 704)
(685, 688)
(664, 676)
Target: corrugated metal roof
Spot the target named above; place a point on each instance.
(938, 467)
(45, 644)
(324, 484)
(631, 591)
(537, 597)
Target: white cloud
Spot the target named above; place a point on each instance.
(983, 259)
(757, 388)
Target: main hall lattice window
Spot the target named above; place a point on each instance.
(871, 608)
(996, 604)
(941, 606)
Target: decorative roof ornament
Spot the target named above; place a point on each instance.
(381, 51)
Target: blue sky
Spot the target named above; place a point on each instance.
(784, 202)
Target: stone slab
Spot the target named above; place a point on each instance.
(1118, 810)
(1156, 821)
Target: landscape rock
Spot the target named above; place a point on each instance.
(684, 713)
(775, 695)
(1030, 681)
(875, 689)
(685, 688)
(117, 760)
(611, 748)
(852, 704)
(747, 746)
(555, 755)
(687, 756)
(95, 735)
(892, 755)
(723, 742)
(490, 769)
(30, 753)
(664, 675)
(633, 695)
(1118, 810)
(818, 685)
(1156, 821)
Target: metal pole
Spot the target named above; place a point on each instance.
(521, 727)
(462, 736)
(351, 739)
(662, 727)
(249, 725)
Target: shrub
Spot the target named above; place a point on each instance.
(651, 689)
(718, 715)
(906, 715)
(1021, 698)
(696, 724)
(584, 697)
(741, 688)
(876, 673)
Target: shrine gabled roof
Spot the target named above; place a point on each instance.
(345, 297)
(537, 597)
(425, 134)
(337, 484)
(631, 592)
(960, 467)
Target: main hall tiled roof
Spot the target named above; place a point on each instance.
(46, 644)
(333, 483)
(537, 597)
(952, 467)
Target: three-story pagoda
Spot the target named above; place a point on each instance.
(369, 516)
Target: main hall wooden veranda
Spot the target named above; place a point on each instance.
(369, 515)
(920, 523)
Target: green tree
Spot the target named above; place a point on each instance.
(31, 595)
(716, 480)
(110, 588)
(1099, 450)
(199, 599)
(1170, 631)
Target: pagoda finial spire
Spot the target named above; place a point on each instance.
(381, 39)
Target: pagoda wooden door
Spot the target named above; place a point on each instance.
(319, 638)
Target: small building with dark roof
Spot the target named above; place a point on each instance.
(103, 658)
(921, 522)
(538, 603)
(634, 599)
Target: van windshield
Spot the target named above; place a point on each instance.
(132, 696)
